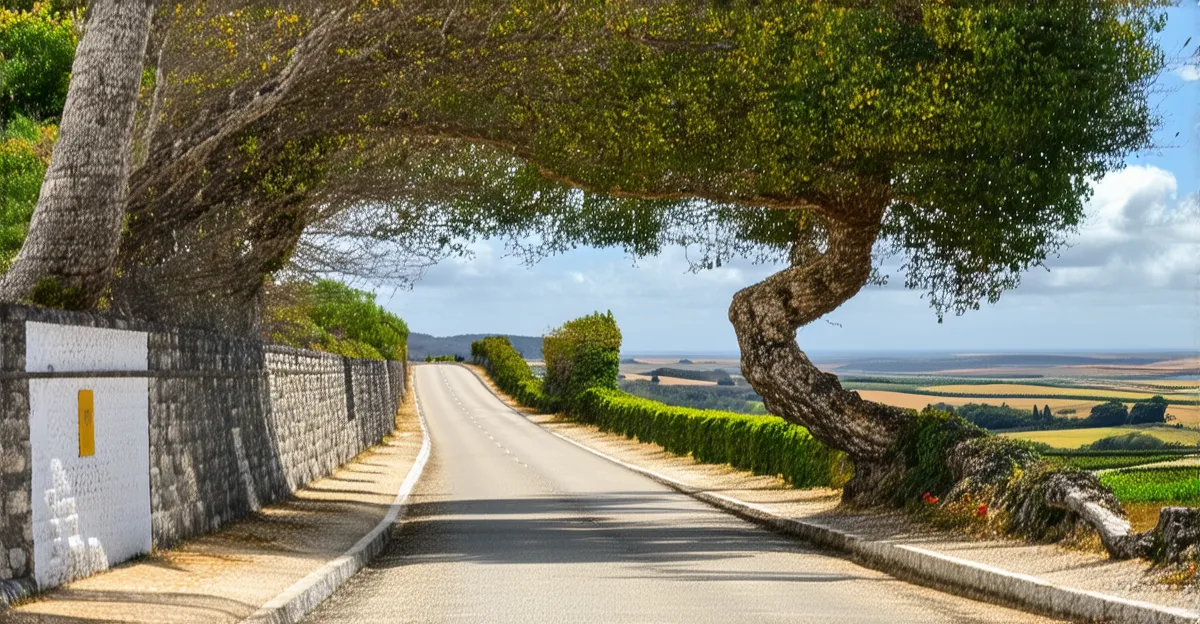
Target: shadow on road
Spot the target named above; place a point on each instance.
(624, 527)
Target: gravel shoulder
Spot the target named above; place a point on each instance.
(1083, 568)
(227, 575)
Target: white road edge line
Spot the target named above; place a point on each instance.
(294, 603)
(961, 577)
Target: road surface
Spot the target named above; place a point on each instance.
(511, 524)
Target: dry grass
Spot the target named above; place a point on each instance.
(919, 401)
(1165, 366)
(1191, 383)
(1000, 389)
(1185, 414)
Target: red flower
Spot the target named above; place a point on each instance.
(982, 511)
(929, 499)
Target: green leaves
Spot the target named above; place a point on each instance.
(37, 48)
(764, 445)
(582, 354)
(24, 155)
(330, 316)
(511, 373)
(977, 125)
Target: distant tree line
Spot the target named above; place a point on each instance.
(721, 377)
(1111, 413)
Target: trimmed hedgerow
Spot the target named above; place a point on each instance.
(764, 445)
(511, 373)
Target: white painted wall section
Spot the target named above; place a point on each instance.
(89, 513)
(71, 348)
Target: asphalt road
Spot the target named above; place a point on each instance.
(511, 524)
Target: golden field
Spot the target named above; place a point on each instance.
(1000, 389)
(919, 401)
(1075, 438)
(1184, 414)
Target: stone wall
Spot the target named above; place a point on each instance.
(233, 425)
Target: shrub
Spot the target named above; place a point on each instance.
(582, 354)
(1134, 441)
(1152, 410)
(511, 373)
(37, 48)
(1108, 414)
(764, 445)
(24, 155)
(330, 316)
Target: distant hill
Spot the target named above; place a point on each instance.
(421, 345)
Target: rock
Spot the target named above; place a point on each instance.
(1179, 531)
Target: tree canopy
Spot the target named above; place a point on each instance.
(966, 132)
(375, 136)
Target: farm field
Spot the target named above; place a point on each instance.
(1011, 389)
(1155, 485)
(1193, 384)
(670, 381)
(1075, 438)
(1114, 460)
(919, 401)
(1184, 414)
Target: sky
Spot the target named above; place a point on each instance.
(1130, 279)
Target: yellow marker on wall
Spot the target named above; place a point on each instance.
(87, 424)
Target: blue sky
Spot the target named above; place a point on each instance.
(1130, 280)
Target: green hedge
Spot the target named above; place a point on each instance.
(764, 445)
(511, 373)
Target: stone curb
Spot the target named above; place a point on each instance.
(297, 601)
(959, 576)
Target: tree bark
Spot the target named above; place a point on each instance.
(76, 224)
(766, 317)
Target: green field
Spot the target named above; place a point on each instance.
(1075, 438)
(1155, 485)
(1110, 461)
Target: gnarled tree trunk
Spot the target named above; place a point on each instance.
(76, 225)
(882, 440)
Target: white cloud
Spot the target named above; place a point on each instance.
(1138, 236)
(1136, 258)
(1188, 72)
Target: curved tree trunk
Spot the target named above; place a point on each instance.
(76, 225)
(766, 317)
